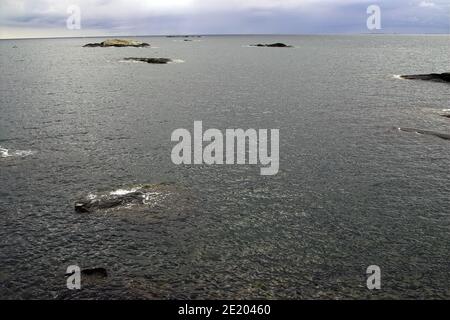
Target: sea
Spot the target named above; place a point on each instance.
(352, 191)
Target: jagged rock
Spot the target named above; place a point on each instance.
(151, 60)
(118, 43)
(439, 77)
(272, 45)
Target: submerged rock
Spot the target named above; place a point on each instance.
(272, 45)
(134, 196)
(95, 272)
(151, 60)
(92, 275)
(151, 198)
(439, 77)
(444, 136)
(118, 43)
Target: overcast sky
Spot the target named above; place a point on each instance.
(47, 18)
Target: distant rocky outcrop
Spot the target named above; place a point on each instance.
(439, 77)
(272, 45)
(444, 136)
(183, 36)
(118, 43)
(151, 60)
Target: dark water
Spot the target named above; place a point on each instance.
(352, 191)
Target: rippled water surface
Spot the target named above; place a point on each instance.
(352, 190)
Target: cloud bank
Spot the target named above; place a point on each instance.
(22, 18)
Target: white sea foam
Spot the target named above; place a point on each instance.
(91, 196)
(22, 153)
(122, 192)
(398, 76)
(177, 61)
(5, 153)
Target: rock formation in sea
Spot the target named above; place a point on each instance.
(183, 36)
(272, 45)
(444, 136)
(95, 272)
(118, 43)
(439, 77)
(151, 60)
(157, 200)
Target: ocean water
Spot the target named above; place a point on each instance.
(352, 190)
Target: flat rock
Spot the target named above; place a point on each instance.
(183, 36)
(151, 60)
(272, 45)
(118, 43)
(438, 77)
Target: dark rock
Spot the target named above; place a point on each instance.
(95, 272)
(111, 202)
(439, 77)
(273, 45)
(92, 45)
(183, 36)
(137, 198)
(117, 43)
(444, 136)
(151, 60)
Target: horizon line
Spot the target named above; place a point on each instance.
(228, 34)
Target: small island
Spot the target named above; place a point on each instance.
(117, 43)
(272, 45)
(183, 36)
